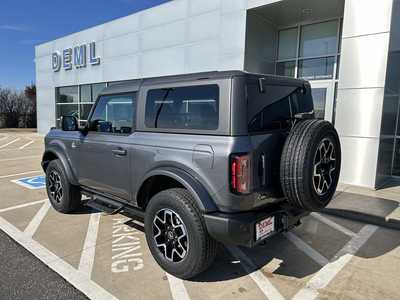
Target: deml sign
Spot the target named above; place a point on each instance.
(77, 57)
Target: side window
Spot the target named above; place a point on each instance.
(114, 114)
(192, 107)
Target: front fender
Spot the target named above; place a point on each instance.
(57, 151)
(203, 199)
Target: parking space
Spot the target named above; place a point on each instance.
(106, 256)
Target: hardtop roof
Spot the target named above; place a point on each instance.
(134, 85)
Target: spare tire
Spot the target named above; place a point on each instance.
(310, 164)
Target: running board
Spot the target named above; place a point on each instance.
(112, 207)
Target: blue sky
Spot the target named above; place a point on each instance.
(26, 23)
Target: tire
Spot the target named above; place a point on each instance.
(310, 165)
(69, 200)
(196, 251)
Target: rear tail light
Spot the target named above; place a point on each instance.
(240, 173)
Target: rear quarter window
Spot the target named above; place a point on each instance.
(191, 107)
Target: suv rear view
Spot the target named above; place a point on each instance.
(208, 158)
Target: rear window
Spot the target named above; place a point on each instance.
(273, 109)
(192, 107)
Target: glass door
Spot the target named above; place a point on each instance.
(323, 97)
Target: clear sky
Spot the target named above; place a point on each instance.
(26, 23)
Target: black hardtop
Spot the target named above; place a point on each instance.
(134, 85)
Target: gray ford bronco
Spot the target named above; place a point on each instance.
(207, 158)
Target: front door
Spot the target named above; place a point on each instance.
(323, 96)
(102, 157)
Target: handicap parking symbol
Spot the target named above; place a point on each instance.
(33, 183)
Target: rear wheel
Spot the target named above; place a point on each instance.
(177, 235)
(63, 196)
(310, 164)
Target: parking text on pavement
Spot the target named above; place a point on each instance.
(126, 248)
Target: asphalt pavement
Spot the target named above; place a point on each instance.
(48, 255)
(23, 276)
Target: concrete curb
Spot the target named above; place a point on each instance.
(362, 208)
(364, 217)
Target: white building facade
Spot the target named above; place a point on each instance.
(348, 49)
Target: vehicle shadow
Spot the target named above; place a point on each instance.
(278, 256)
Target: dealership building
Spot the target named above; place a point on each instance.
(349, 50)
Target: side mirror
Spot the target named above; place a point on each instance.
(69, 123)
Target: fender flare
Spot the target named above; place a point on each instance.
(59, 153)
(203, 199)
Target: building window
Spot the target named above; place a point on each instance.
(287, 48)
(319, 39)
(316, 68)
(76, 101)
(310, 51)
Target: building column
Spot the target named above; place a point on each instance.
(364, 54)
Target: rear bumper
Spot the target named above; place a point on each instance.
(239, 228)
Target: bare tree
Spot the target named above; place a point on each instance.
(18, 109)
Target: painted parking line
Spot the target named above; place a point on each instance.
(37, 219)
(70, 274)
(32, 183)
(9, 143)
(262, 282)
(307, 249)
(324, 276)
(26, 145)
(334, 225)
(178, 289)
(19, 174)
(22, 205)
(20, 158)
(89, 247)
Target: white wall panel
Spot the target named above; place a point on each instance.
(121, 26)
(121, 45)
(46, 113)
(121, 68)
(163, 14)
(359, 161)
(228, 6)
(44, 49)
(162, 62)
(202, 57)
(163, 36)
(197, 7)
(363, 61)
(231, 62)
(233, 33)
(205, 26)
(90, 74)
(366, 17)
(356, 112)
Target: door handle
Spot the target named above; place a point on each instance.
(119, 152)
(75, 145)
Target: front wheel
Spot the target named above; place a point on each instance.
(177, 235)
(63, 196)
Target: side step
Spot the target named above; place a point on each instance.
(112, 207)
(105, 207)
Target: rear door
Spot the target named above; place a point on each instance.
(103, 155)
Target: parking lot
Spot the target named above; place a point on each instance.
(106, 256)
